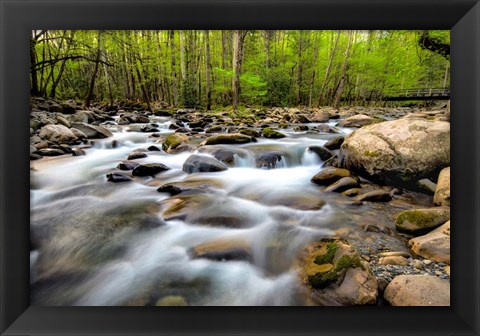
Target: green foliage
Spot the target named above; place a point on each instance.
(278, 68)
(277, 87)
(253, 87)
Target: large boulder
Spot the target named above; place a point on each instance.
(398, 152)
(202, 164)
(335, 275)
(92, 131)
(434, 245)
(418, 290)
(57, 133)
(442, 191)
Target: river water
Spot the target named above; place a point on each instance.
(261, 217)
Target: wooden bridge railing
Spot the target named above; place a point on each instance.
(401, 94)
(420, 92)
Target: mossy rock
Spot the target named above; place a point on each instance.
(335, 274)
(250, 132)
(229, 139)
(318, 256)
(272, 134)
(327, 275)
(173, 141)
(420, 220)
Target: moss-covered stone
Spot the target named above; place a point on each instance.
(271, 133)
(249, 132)
(421, 219)
(323, 279)
(229, 139)
(334, 274)
(173, 141)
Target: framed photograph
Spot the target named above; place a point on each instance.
(271, 167)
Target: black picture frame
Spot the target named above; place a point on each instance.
(18, 17)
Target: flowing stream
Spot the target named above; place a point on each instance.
(261, 217)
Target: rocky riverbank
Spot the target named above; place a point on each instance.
(367, 222)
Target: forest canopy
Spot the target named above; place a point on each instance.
(219, 68)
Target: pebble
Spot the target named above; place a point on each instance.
(394, 254)
(417, 264)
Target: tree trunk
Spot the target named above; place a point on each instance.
(238, 39)
(183, 64)
(312, 78)
(341, 85)
(299, 67)
(224, 66)
(143, 86)
(107, 77)
(208, 71)
(33, 62)
(42, 79)
(327, 71)
(62, 67)
(89, 96)
(128, 91)
(174, 74)
(268, 42)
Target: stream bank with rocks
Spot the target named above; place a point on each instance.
(278, 206)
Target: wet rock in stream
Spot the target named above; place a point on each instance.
(201, 164)
(149, 169)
